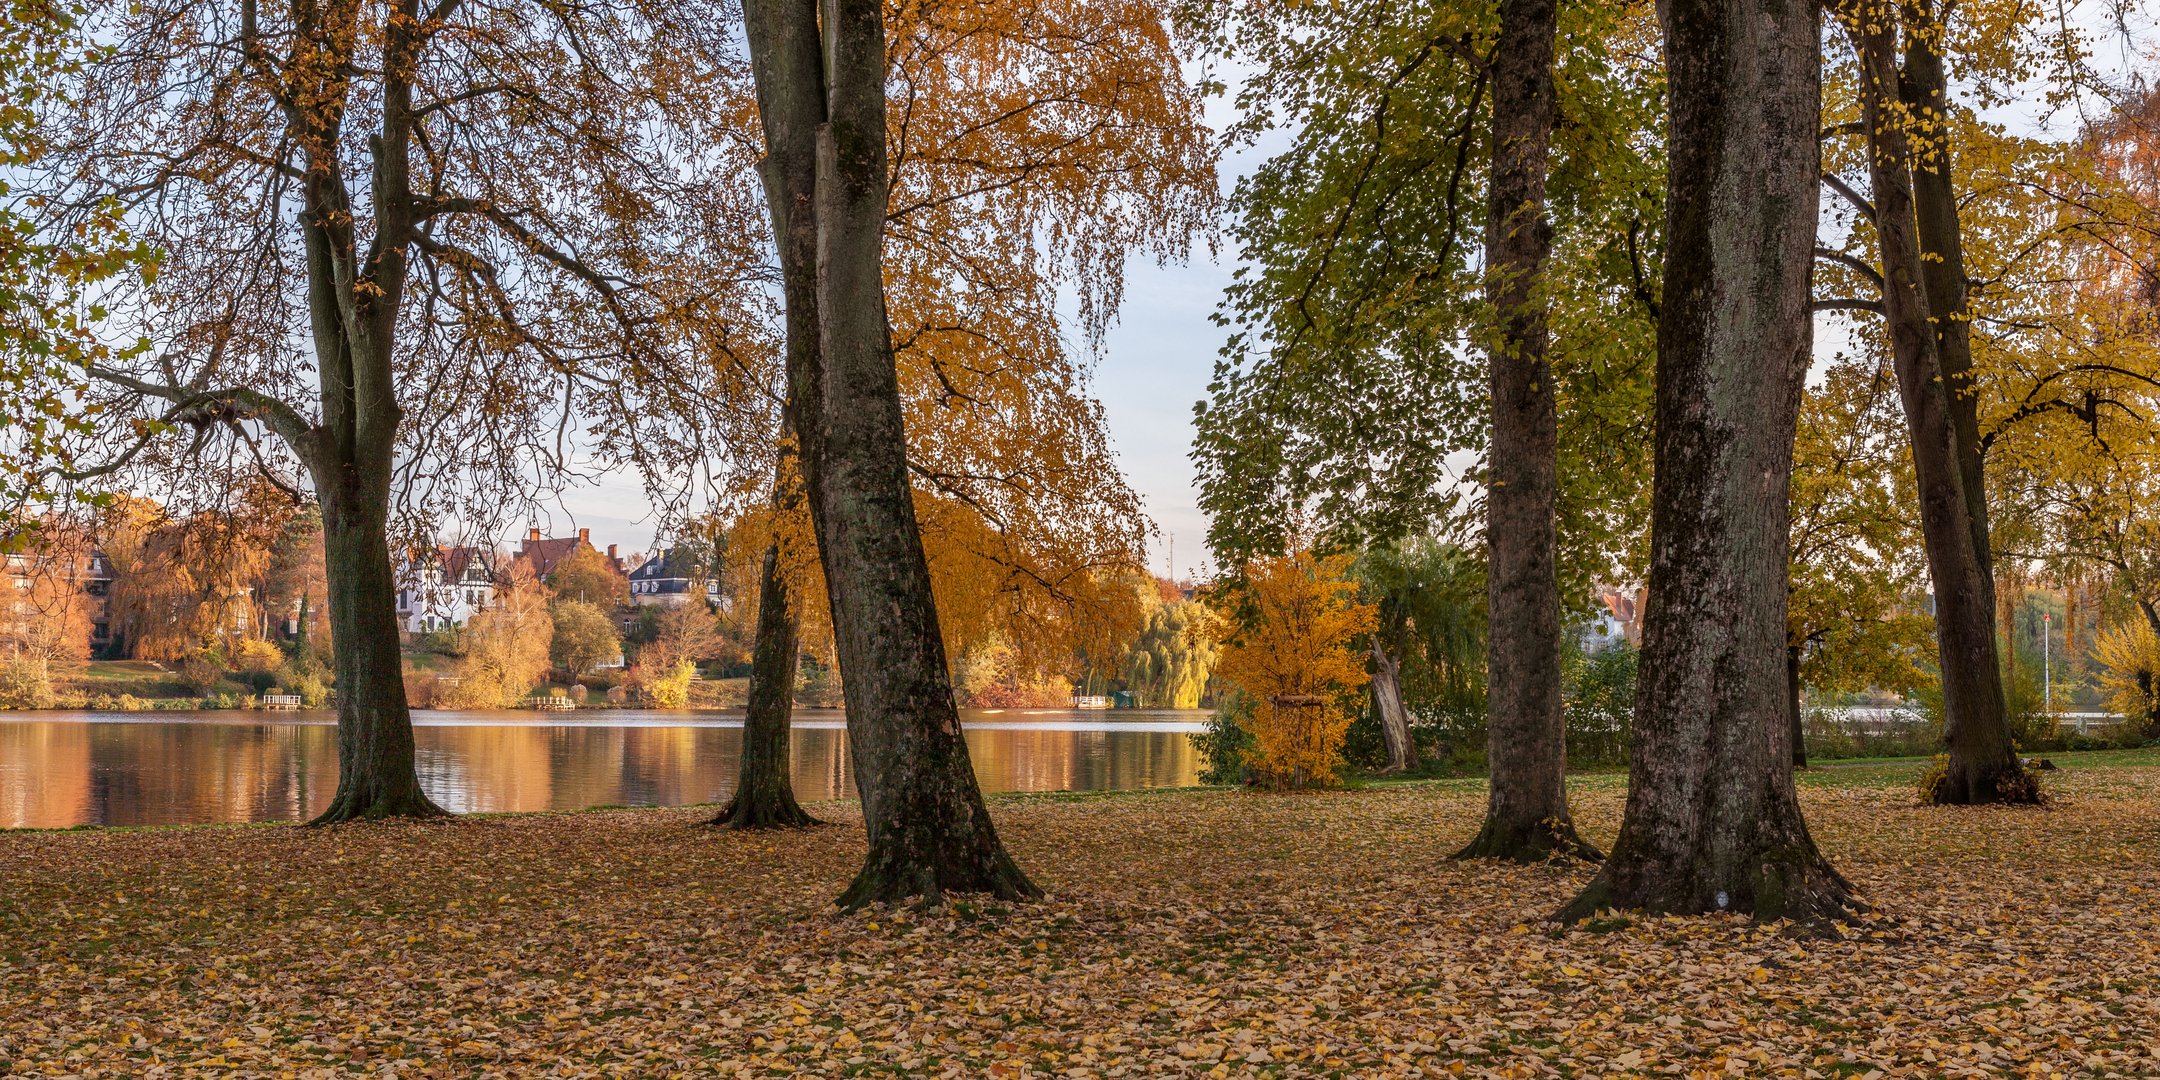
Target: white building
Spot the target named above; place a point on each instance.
(443, 587)
(668, 580)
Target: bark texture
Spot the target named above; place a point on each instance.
(1526, 816)
(1712, 821)
(1983, 763)
(929, 831)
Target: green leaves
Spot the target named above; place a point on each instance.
(1352, 384)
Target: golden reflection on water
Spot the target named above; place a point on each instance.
(116, 770)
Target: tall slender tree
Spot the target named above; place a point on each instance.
(820, 69)
(1924, 304)
(1713, 822)
(1526, 816)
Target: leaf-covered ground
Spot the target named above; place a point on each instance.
(1195, 932)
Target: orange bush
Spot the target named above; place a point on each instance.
(1290, 650)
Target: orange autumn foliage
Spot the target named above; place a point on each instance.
(1289, 649)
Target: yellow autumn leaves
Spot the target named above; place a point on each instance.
(1289, 625)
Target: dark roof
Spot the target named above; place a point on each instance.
(662, 566)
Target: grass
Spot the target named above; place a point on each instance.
(1187, 932)
(141, 678)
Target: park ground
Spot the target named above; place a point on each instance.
(1199, 932)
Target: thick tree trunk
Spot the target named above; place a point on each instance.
(928, 829)
(1798, 736)
(1526, 815)
(1713, 822)
(764, 787)
(1983, 766)
(376, 773)
(1388, 704)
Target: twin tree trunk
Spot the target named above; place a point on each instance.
(929, 831)
(1713, 823)
(1526, 817)
(1983, 764)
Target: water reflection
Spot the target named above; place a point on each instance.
(135, 769)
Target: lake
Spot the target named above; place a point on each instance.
(108, 768)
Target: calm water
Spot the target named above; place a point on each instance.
(62, 769)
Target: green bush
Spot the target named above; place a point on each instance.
(1597, 691)
(1228, 740)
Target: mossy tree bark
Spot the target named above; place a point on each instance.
(1983, 763)
(1713, 822)
(1526, 817)
(820, 70)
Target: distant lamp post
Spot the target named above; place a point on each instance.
(2047, 662)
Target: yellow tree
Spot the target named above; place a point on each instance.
(1291, 623)
(1035, 145)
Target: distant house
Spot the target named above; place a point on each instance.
(442, 587)
(75, 574)
(544, 553)
(668, 579)
(1618, 619)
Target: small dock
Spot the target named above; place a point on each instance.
(553, 704)
(279, 702)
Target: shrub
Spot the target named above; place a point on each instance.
(670, 689)
(201, 671)
(1597, 690)
(1227, 742)
(26, 683)
(257, 658)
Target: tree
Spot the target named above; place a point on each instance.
(1044, 141)
(584, 637)
(586, 576)
(460, 206)
(1289, 646)
(1923, 286)
(1343, 391)
(1174, 656)
(1526, 815)
(506, 649)
(1713, 822)
(929, 831)
(1429, 650)
(47, 328)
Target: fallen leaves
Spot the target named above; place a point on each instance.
(1212, 933)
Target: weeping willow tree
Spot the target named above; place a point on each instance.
(1173, 658)
(1429, 650)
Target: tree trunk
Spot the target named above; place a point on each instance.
(1388, 704)
(376, 773)
(1983, 766)
(1924, 87)
(764, 788)
(928, 829)
(1713, 822)
(1526, 814)
(1798, 736)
